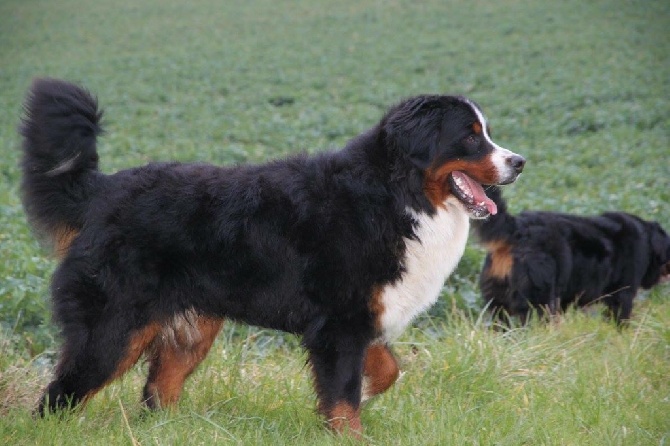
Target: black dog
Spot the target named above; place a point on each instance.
(548, 261)
(343, 248)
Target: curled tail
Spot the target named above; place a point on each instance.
(498, 227)
(60, 160)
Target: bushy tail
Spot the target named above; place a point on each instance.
(496, 227)
(60, 161)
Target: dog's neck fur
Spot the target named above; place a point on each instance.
(403, 179)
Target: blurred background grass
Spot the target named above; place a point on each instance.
(579, 88)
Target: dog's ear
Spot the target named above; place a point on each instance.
(413, 127)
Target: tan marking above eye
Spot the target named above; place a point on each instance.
(477, 128)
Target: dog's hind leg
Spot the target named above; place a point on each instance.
(86, 366)
(380, 371)
(182, 344)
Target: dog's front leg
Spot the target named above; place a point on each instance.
(620, 305)
(337, 363)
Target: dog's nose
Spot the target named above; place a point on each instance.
(517, 162)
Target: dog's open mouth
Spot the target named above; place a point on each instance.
(472, 195)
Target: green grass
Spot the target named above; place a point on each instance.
(579, 382)
(579, 88)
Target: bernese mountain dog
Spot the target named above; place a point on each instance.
(343, 248)
(548, 261)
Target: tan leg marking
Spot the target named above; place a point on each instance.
(176, 353)
(139, 342)
(380, 371)
(343, 418)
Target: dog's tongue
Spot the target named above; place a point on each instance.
(478, 193)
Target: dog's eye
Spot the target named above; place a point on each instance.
(470, 140)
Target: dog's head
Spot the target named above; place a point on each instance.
(449, 140)
(659, 264)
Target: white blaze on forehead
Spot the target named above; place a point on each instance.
(500, 154)
(482, 121)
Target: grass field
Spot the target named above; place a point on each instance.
(579, 88)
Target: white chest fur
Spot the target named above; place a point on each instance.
(428, 262)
